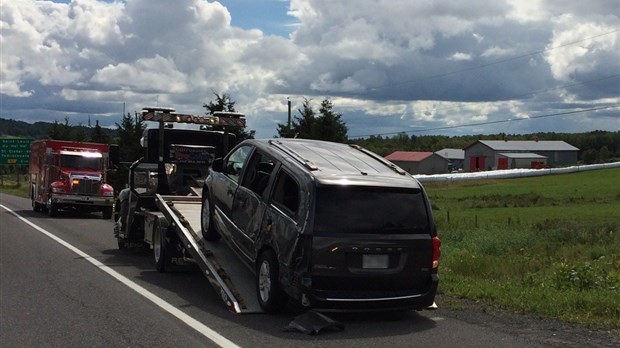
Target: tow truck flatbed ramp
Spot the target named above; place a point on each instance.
(235, 282)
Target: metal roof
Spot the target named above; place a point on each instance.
(451, 154)
(517, 155)
(408, 156)
(528, 145)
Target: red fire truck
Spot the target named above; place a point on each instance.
(70, 175)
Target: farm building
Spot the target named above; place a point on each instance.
(419, 162)
(510, 154)
(454, 157)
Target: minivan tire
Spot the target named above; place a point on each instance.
(206, 220)
(270, 295)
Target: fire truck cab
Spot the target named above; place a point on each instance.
(70, 175)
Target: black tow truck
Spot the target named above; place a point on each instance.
(161, 208)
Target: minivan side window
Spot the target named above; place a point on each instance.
(258, 171)
(286, 194)
(235, 162)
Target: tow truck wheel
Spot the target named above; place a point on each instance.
(52, 209)
(107, 213)
(206, 221)
(270, 295)
(161, 251)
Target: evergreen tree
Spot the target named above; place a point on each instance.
(98, 135)
(61, 131)
(129, 134)
(327, 125)
(79, 134)
(55, 132)
(65, 130)
(222, 103)
(225, 103)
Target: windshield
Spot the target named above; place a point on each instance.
(370, 210)
(80, 162)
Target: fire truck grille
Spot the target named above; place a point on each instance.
(85, 187)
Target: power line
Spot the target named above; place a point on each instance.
(449, 73)
(534, 93)
(493, 122)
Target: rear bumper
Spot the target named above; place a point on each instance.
(83, 200)
(373, 302)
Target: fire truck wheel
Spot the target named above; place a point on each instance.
(206, 221)
(270, 295)
(36, 206)
(52, 209)
(161, 248)
(107, 213)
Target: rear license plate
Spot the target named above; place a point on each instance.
(375, 261)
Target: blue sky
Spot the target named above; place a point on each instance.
(270, 16)
(389, 66)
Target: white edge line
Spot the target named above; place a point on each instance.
(193, 323)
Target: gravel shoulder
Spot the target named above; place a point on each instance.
(548, 332)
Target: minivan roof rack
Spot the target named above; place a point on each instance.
(389, 164)
(306, 163)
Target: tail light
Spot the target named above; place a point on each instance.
(436, 251)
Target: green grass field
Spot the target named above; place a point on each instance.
(546, 245)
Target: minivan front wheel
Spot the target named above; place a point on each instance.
(270, 295)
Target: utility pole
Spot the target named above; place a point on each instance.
(289, 113)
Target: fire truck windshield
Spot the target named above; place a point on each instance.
(80, 162)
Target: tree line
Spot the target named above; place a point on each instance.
(323, 123)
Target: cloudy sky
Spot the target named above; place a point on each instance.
(420, 67)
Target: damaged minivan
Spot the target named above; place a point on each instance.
(330, 226)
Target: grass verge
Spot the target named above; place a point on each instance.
(543, 245)
(13, 188)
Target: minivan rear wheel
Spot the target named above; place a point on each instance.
(270, 295)
(206, 220)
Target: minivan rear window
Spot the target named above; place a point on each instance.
(346, 209)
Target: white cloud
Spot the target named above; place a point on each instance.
(156, 74)
(388, 65)
(497, 52)
(567, 60)
(461, 56)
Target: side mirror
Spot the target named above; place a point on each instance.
(217, 164)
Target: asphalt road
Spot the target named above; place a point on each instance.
(63, 282)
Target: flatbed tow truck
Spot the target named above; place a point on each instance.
(161, 208)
